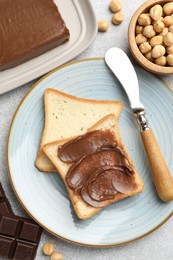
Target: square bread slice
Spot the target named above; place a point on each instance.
(66, 116)
(82, 209)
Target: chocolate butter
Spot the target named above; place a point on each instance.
(5, 207)
(100, 169)
(29, 28)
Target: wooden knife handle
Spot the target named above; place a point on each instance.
(160, 172)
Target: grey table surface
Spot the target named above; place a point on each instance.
(157, 245)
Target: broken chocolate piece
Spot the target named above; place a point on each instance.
(5, 207)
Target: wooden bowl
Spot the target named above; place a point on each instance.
(148, 65)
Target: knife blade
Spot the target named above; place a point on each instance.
(119, 63)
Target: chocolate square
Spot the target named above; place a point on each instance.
(6, 247)
(9, 225)
(29, 232)
(24, 251)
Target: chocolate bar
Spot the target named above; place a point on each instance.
(19, 237)
(5, 207)
(29, 28)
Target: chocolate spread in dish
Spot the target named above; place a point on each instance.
(100, 169)
(29, 28)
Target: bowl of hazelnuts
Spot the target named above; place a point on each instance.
(150, 36)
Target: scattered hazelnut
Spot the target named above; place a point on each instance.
(48, 248)
(56, 256)
(115, 6)
(117, 18)
(103, 25)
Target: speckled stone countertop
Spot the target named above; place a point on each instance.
(157, 245)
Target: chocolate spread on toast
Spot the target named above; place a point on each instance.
(100, 169)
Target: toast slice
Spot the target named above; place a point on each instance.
(66, 116)
(82, 209)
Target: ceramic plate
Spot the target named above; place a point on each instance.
(43, 195)
(81, 22)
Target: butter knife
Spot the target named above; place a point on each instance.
(121, 66)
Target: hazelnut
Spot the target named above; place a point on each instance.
(164, 32)
(168, 8)
(170, 29)
(149, 31)
(168, 20)
(156, 40)
(158, 26)
(156, 12)
(169, 49)
(168, 39)
(140, 38)
(160, 20)
(117, 18)
(169, 59)
(103, 25)
(161, 61)
(139, 29)
(145, 47)
(56, 256)
(149, 56)
(158, 51)
(48, 248)
(115, 6)
(144, 20)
